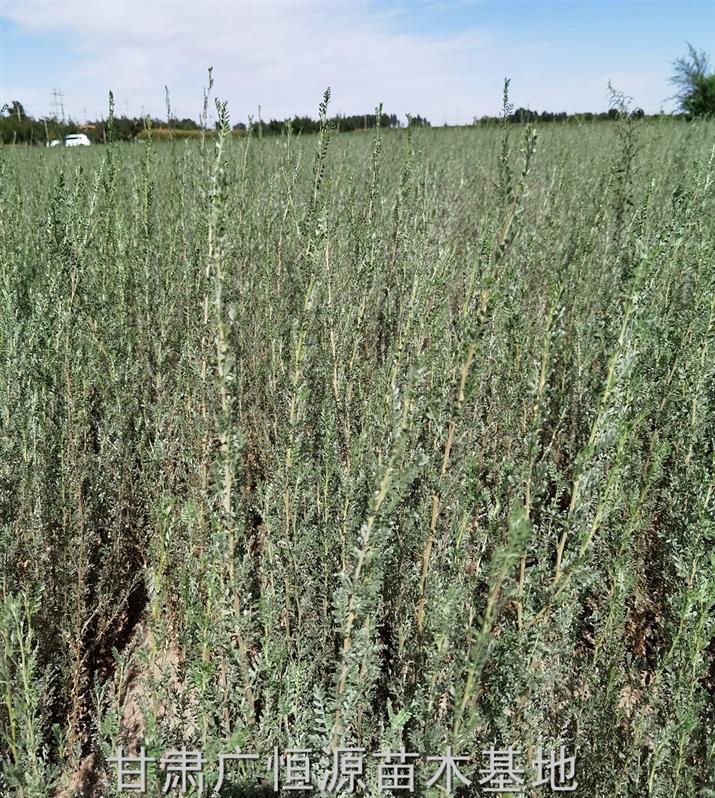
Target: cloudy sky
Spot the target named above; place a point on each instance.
(444, 60)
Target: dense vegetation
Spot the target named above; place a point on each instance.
(367, 440)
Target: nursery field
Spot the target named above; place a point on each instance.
(401, 439)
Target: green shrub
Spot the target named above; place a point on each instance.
(382, 441)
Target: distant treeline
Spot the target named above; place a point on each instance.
(18, 127)
(305, 124)
(524, 115)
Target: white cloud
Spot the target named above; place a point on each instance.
(280, 55)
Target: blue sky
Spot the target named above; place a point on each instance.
(444, 60)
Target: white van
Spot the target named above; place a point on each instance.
(77, 140)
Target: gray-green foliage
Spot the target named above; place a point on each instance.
(372, 440)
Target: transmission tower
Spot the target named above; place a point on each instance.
(58, 106)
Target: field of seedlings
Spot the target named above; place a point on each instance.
(382, 440)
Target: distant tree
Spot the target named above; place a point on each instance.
(702, 101)
(523, 115)
(695, 83)
(16, 109)
(189, 124)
